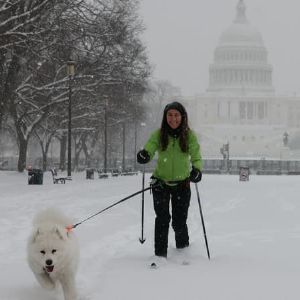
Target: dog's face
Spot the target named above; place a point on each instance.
(49, 248)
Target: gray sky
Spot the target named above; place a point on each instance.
(181, 36)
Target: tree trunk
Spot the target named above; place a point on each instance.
(88, 155)
(45, 151)
(78, 148)
(76, 160)
(45, 162)
(22, 154)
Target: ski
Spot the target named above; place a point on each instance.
(181, 256)
(153, 266)
(180, 261)
(174, 259)
(158, 261)
(185, 262)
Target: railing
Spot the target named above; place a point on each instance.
(259, 167)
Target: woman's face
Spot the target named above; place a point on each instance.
(174, 118)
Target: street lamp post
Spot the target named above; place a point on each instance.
(105, 133)
(225, 152)
(135, 142)
(71, 73)
(135, 99)
(124, 151)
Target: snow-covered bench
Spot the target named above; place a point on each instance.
(57, 179)
(102, 174)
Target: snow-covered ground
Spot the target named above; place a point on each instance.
(253, 231)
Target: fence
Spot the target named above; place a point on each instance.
(259, 167)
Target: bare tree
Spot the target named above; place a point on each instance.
(39, 37)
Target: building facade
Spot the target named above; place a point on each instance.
(240, 105)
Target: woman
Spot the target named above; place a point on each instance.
(178, 149)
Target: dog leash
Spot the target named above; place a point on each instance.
(70, 227)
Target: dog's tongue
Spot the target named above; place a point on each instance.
(49, 269)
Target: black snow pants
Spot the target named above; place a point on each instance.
(180, 196)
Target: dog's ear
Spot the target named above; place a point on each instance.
(61, 233)
(34, 235)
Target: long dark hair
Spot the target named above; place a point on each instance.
(181, 131)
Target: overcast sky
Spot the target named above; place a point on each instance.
(181, 36)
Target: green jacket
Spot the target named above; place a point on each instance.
(173, 164)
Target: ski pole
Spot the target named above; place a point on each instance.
(202, 220)
(142, 239)
(70, 227)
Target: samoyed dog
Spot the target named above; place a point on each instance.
(53, 252)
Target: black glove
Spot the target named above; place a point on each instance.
(155, 182)
(157, 185)
(143, 157)
(195, 175)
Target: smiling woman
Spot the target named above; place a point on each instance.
(177, 149)
(173, 118)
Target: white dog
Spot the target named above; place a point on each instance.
(53, 252)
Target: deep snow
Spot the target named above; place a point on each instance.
(253, 231)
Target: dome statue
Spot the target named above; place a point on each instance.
(241, 32)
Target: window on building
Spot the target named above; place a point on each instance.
(222, 110)
(242, 106)
(260, 110)
(250, 110)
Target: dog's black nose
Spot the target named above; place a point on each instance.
(49, 262)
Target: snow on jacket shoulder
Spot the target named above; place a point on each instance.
(173, 164)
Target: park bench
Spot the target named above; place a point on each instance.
(129, 172)
(4, 165)
(102, 174)
(115, 172)
(57, 179)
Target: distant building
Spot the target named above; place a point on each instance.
(240, 106)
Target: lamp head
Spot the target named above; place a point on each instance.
(71, 68)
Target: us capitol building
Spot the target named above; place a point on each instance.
(240, 106)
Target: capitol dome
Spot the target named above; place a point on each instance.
(240, 59)
(241, 34)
